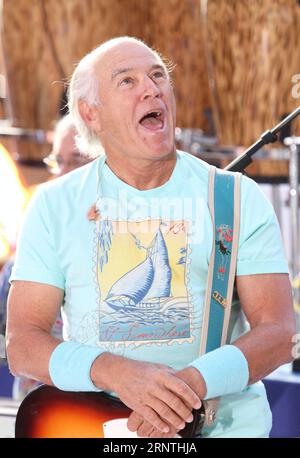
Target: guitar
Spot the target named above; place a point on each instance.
(48, 412)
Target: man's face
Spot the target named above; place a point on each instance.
(137, 105)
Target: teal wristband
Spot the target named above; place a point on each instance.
(70, 365)
(225, 371)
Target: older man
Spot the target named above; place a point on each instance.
(115, 246)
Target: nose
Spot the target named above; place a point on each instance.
(150, 88)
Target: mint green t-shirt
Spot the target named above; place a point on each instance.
(135, 280)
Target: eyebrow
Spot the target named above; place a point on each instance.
(119, 71)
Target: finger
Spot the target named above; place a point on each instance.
(134, 421)
(152, 417)
(176, 404)
(145, 429)
(157, 434)
(181, 389)
(166, 413)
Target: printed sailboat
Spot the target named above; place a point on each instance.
(148, 285)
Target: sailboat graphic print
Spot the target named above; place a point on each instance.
(148, 285)
(142, 284)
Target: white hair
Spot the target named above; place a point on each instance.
(84, 85)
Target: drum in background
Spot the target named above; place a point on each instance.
(76, 27)
(175, 30)
(31, 70)
(253, 50)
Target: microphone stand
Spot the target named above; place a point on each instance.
(270, 136)
(242, 161)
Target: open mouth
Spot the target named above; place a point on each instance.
(153, 120)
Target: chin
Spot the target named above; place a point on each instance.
(161, 153)
(161, 149)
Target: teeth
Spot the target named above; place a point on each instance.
(156, 113)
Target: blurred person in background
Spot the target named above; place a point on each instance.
(64, 157)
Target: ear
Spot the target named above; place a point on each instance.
(90, 115)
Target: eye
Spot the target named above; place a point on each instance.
(126, 81)
(158, 74)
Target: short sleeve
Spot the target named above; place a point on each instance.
(260, 242)
(36, 258)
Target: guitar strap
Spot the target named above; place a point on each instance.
(224, 207)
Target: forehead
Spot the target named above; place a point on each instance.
(127, 55)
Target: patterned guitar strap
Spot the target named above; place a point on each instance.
(224, 207)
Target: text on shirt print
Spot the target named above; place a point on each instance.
(141, 273)
(223, 243)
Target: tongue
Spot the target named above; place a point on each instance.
(152, 123)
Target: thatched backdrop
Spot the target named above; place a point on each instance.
(43, 40)
(253, 49)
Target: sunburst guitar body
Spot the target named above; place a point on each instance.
(48, 412)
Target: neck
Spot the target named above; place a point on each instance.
(143, 174)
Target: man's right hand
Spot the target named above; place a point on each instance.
(152, 390)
